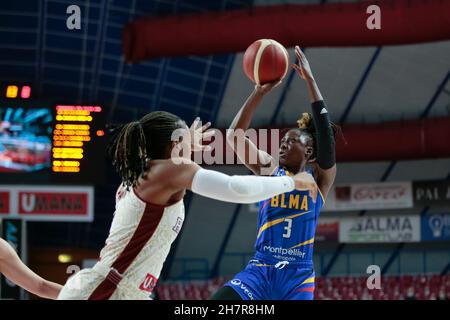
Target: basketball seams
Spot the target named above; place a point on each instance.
(273, 55)
(248, 59)
(259, 53)
(286, 56)
(261, 65)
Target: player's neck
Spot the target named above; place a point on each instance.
(293, 171)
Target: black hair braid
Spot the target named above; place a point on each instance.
(130, 147)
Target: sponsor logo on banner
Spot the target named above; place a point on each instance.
(436, 227)
(431, 192)
(47, 203)
(327, 230)
(380, 229)
(4, 202)
(367, 196)
(52, 203)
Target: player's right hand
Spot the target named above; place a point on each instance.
(267, 87)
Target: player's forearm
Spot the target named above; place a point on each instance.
(15, 270)
(48, 289)
(326, 145)
(244, 117)
(244, 148)
(21, 275)
(313, 90)
(239, 189)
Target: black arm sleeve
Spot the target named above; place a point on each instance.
(325, 142)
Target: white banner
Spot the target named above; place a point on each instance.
(47, 203)
(380, 229)
(370, 196)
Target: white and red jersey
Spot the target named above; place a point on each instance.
(139, 241)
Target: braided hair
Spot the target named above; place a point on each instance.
(134, 143)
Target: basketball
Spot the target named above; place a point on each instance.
(265, 61)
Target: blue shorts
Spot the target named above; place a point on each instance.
(268, 281)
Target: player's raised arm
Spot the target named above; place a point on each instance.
(325, 154)
(15, 270)
(245, 149)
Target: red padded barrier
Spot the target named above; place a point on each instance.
(335, 24)
(398, 140)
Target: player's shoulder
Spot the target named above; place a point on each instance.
(168, 166)
(168, 171)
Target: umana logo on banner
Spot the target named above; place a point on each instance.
(52, 202)
(49, 203)
(380, 229)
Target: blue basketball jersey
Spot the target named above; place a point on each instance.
(282, 268)
(287, 224)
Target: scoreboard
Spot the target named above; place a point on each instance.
(46, 142)
(75, 129)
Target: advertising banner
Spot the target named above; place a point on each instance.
(436, 227)
(327, 230)
(380, 229)
(47, 203)
(431, 193)
(370, 196)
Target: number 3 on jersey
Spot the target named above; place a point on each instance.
(288, 228)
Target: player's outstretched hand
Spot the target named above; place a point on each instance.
(198, 134)
(302, 68)
(305, 181)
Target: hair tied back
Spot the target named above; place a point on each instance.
(305, 121)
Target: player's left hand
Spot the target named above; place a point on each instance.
(199, 133)
(302, 68)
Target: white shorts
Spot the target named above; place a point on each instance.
(81, 285)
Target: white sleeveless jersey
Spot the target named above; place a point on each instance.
(139, 241)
